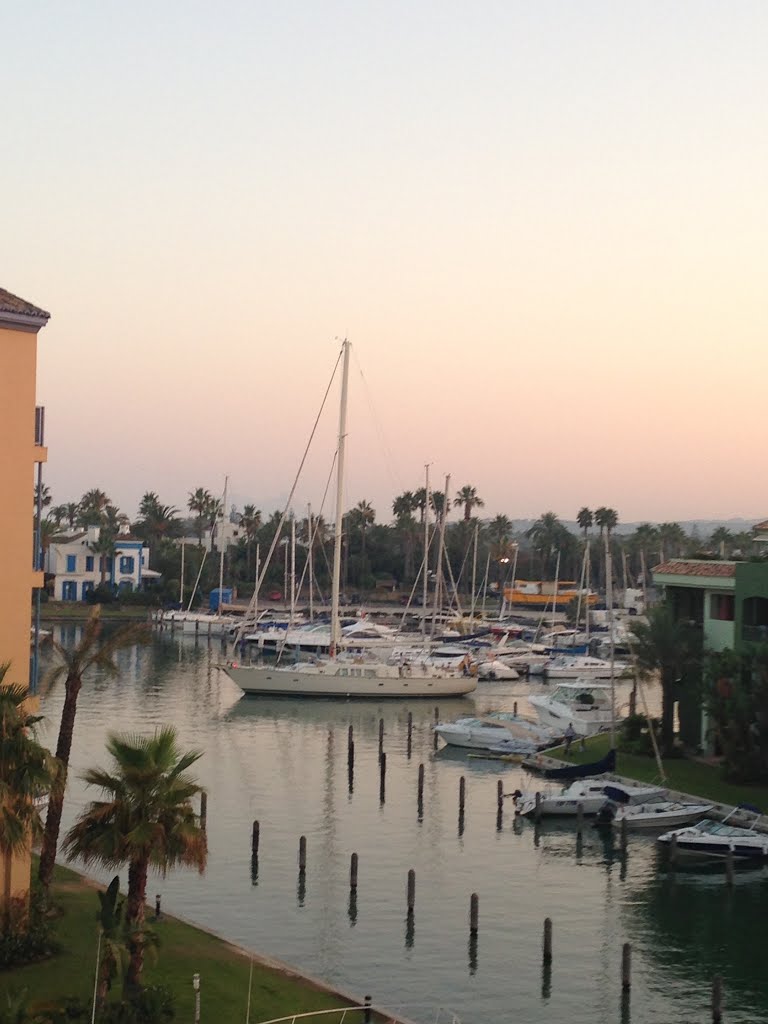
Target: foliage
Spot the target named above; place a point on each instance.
(737, 699)
(635, 735)
(26, 937)
(151, 1005)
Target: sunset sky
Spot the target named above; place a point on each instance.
(542, 225)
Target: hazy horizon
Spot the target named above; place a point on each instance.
(542, 227)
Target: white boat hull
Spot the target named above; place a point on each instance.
(646, 817)
(558, 716)
(295, 682)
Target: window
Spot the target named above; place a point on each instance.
(721, 607)
(71, 564)
(69, 589)
(89, 563)
(127, 563)
(87, 587)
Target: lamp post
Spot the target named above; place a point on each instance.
(196, 987)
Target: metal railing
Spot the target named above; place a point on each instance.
(365, 1013)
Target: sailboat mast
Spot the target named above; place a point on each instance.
(440, 552)
(181, 581)
(425, 582)
(293, 568)
(311, 535)
(474, 578)
(337, 533)
(256, 586)
(609, 604)
(222, 547)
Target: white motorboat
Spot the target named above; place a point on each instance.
(494, 670)
(496, 730)
(714, 840)
(657, 813)
(589, 793)
(576, 666)
(583, 704)
(339, 676)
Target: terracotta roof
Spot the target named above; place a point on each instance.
(761, 526)
(13, 304)
(683, 567)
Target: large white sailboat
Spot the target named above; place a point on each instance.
(340, 675)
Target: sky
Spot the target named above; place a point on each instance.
(542, 226)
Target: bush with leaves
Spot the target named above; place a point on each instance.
(635, 735)
(151, 1005)
(737, 701)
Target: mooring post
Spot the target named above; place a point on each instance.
(411, 892)
(499, 795)
(367, 1009)
(302, 854)
(514, 709)
(579, 819)
(673, 851)
(623, 834)
(420, 789)
(255, 835)
(462, 795)
(729, 867)
(547, 944)
(537, 808)
(382, 776)
(474, 913)
(437, 719)
(410, 734)
(353, 871)
(350, 746)
(203, 810)
(381, 737)
(626, 967)
(717, 999)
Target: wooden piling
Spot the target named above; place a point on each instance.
(382, 776)
(255, 836)
(203, 810)
(350, 745)
(302, 854)
(410, 735)
(499, 795)
(626, 967)
(579, 819)
(437, 719)
(623, 834)
(514, 709)
(411, 892)
(673, 851)
(537, 808)
(547, 943)
(474, 913)
(420, 785)
(729, 867)
(381, 737)
(353, 871)
(462, 795)
(717, 999)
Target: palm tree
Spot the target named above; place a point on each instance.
(71, 512)
(607, 519)
(59, 514)
(158, 523)
(548, 535)
(720, 539)
(112, 946)
(149, 503)
(92, 652)
(27, 772)
(500, 530)
(407, 531)
(420, 501)
(250, 521)
(668, 648)
(469, 498)
(404, 504)
(104, 547)
(361, 517)
(585, 519)
(200, 502)
(145, 819)
(437, 501)
(672, 540)
(92, 507)
(45, 496)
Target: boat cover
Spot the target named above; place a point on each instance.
(584, 771)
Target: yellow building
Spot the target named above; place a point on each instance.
(20, 448)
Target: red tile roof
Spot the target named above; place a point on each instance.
(684, 567)
(761, 526)
(13, 304)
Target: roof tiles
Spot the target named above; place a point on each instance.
(10, 303)
(685, 567)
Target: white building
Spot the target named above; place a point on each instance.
(224, 533)
(78, 569)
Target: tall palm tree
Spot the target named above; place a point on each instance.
(104, 547)
(469, 499)
(199, 502)
(437, 501)
(92, 507)
(27, 772)
(585, 519)
(404, 504)
(607, 519)
(420, 501)
(158, 523)
(721, 539)
(547, 535)
(59, 514)
(145, 819)
(644, 540)
(149, 503)
(672, 539)
(500, 530)
(671, 650)
(361, 517)
(45, 496)
(93, 652)
(71, 512)
(250, 521)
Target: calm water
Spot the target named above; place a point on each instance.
(284, 762)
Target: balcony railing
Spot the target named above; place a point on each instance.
(40, 425)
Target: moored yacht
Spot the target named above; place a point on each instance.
(577, 666)
(582, 704)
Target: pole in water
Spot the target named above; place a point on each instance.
(353, 871)
(411, 892)
(474, 913)
(382, 777)
(255, 836)
(437, 719)
(717, 999)
(203, 810)
(420, 791)
(579, 819)
(381, 737)
(537, 808)
(514, 709)
(499, 794)
(462, 795)
(626, 967)
(302, 854)
(547, 943)
(410, 735)
(350, 745)
(623, 833)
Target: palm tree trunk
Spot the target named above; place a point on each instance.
(56, 799)
(135, 905)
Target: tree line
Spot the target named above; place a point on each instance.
(390, 552)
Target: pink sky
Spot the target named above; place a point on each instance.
(543, 227)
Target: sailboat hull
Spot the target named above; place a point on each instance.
(299, 683)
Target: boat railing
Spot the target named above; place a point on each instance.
(365, 1012)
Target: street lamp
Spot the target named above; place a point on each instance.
(196, 987)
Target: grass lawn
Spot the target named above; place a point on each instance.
(687, 776)
(183, 951)
(76, 611)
